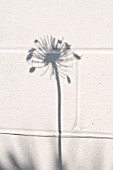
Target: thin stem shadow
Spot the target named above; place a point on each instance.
(59, 116)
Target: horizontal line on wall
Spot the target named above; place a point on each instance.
(53, 134)
(79, 50)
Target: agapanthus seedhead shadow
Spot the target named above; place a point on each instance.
(53, 52)
(56, 53)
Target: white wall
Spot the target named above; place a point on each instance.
(29, 101)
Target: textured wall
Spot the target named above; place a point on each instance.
(29, 101)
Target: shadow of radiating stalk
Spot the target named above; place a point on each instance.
(59, 116)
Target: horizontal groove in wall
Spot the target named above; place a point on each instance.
(53, 134)
(81, 50)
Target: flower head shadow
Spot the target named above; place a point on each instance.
(51, 52)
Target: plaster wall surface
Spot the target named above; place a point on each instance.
(29, 101)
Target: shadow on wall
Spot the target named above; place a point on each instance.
(29, 166)
(16, 164)
(28, 162)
